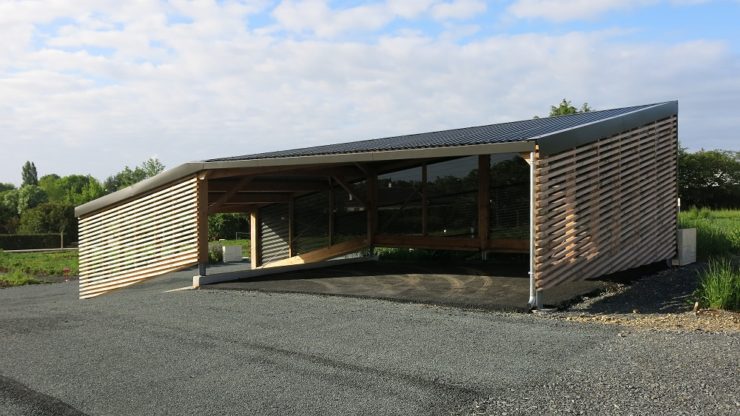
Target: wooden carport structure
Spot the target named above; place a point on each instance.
(584, 195)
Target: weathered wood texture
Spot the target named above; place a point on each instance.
(140, 239)
(607, 206)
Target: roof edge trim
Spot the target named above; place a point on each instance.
(558, 142)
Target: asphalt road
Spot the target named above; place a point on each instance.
(144, 351)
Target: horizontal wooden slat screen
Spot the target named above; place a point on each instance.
(607, 206)
(138, 240)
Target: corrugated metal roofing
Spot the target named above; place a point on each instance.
(494, 133)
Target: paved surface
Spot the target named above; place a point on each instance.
(147, 351)
(474, 285)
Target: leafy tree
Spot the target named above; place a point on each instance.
(49, 218)
(709, 178)
(8, 218)
(71, 189)
(50, 185)
(128, 176)
(29, 175)
(565, 108)
(226, 225)
(6, 187)
(30, 196)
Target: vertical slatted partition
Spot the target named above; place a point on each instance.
(607, 206)
(140, 239)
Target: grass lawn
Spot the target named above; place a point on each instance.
(718, 241)
(28, 268)
(717, 232)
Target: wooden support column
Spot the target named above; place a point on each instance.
(202, 223)
(254, 236)
(372, 207)
(291, 218)
(484, 205)
(331, 212)
(424, 200)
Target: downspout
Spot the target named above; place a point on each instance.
(534, 301)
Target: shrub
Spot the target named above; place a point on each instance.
(28, 241)
(215, 253)
(719, 285)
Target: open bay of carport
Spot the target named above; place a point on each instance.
(473, 284)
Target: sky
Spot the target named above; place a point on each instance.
(88, 87)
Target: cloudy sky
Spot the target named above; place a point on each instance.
(92, 86)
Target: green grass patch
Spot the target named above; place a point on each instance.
(16, 278)
(215, 254)
(244, 243)
(717, 232)
(719, 285)
(39, 264)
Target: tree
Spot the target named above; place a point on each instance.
(226, 225)
(50, 218)
(6, 187)
(565, 108)
(71, 189)
(709, 178)
(30, 196)
(128, 176)
(29, 174)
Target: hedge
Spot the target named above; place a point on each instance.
(28, 241)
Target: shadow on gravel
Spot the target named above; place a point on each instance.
(652, 289)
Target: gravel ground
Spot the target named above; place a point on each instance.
(663, 300)
(148, 351)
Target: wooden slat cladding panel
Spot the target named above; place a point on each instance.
(140, 239)
(607, 206)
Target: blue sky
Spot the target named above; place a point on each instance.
(92, 86)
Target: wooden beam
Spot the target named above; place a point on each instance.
(331, 212)
(350, 191)
(484, 206)
(267, 185)
(291, 225)
(230, 193)
(258, 198)
(449, 243)
(372, 206)
(202, 183)
(237, 208)
(424, 201)
(254, 238)
(322, 254)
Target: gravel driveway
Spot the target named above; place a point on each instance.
(147, 351)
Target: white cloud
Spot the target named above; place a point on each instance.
(564, 10)
(458, 9)
(214, 88)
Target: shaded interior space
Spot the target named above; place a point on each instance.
(478, 285)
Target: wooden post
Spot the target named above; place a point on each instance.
(254, 236)
(291, 216)
(331, 212)
(202, 223)
(372, 207)
(424, 200)
(484, 206)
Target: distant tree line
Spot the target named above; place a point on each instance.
(46, 204)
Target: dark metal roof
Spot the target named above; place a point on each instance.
(549, 132)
